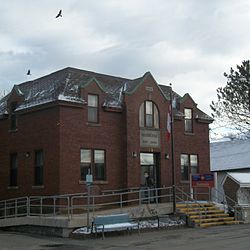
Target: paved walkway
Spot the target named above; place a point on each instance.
(236, 237)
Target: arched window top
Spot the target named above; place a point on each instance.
(149, 115)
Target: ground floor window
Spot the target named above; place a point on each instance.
(93, 162)
(13, 169)
(39, 163)
(189, 165)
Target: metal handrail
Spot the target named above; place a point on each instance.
(120, 201)
(224, 197)
(67, 204)
(193, 201)
(14, 207)
(58, 204)
(47, 205)
(225, 203)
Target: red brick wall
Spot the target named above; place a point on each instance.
(191, 143)
(61, 131)
(76, 133)
(195, 143)
(36, 130)
(133, 103)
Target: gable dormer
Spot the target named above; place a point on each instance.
(16, 97)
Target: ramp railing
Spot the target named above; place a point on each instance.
(75, 204)
(14, 207)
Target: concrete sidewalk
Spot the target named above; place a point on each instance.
(236, 237)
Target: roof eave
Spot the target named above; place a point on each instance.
(204, 120)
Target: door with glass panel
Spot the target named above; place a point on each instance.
(148, 176)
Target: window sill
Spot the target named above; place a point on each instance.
(94, 182)
(185, 182)
(189, 133)
(12, 187)
(150, 128)
(13, 130)
(93, 124)
(38, 187)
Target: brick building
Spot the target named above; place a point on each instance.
(55, 129)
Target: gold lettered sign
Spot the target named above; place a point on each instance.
(149, 138)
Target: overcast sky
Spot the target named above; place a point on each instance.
(189, 43)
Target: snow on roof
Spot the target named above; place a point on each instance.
(230, 155)
(243, 179)
(65, 85)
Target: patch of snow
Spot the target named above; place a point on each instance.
(74, 88)
(111, 104)
(2, 104)
(28, 96)
(118, 226)
(18, 90)
(70, 99)
(144, 224)
(125, 87)
(33, 104)
(82, 230)
(122, 90)
(67, 80)
(40, 94)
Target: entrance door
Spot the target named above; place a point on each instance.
(148, 176)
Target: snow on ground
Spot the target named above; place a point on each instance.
(165, 222)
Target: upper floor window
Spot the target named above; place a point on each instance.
(13, 117)
(93, 162)
(39, 165)
(13, 169)
(188, 120)
(93, 108)
(189, 165)
(149, 115)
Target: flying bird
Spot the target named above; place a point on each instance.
(28, 73)
(59, 14)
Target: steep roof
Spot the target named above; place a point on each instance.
(230, 155)
(64, 85)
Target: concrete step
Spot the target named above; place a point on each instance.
(223, 215)
(204, 212)
(185, 205)
(218, 219)
(211, 224)
(189, 209)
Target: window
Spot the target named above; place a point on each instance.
(99, 164)
(148, 115)
(13, 117)
(93, 162)
(85, 163)
(39, 165)
(93, 108)
(188, 120)
(189, 165)
(13, 169)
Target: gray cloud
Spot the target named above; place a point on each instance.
(189, 43)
